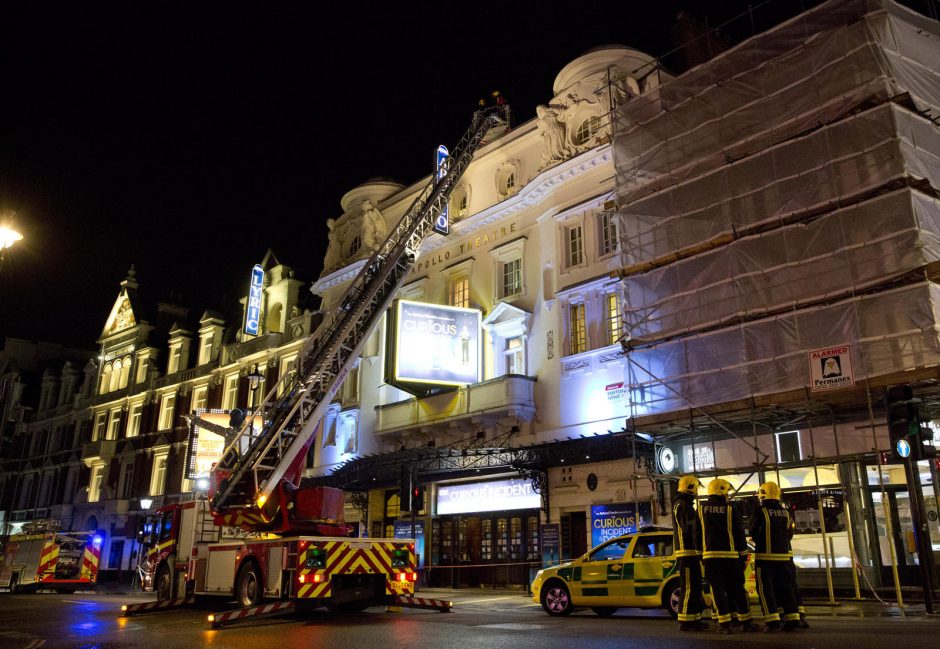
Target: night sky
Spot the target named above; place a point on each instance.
(188, 139)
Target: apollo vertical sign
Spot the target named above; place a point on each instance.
(253, 307)
(442, 222)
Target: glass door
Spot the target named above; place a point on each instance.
(902, 539)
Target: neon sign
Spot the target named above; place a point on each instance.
(442, 222)
(253, 307)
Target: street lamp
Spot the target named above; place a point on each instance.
(255, 379)
(8, 236)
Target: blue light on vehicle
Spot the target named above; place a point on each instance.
(97, 540)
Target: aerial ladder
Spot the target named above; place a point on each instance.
(259, 472)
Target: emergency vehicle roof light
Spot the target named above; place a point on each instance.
(97, 540)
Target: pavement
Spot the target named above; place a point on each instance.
(486, 598)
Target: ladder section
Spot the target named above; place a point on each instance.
(252, 466)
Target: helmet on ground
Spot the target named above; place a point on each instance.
(719, 487)
(769, 491)
(688, 484)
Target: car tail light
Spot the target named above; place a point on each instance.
(412, 576)
(402, 576)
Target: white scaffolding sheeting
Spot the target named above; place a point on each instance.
(772, 200)
(809, 71)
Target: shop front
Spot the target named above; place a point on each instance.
(484, 534)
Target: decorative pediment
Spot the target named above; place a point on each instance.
(506, 320)
(122, 315)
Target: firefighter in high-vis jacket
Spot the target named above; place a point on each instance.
(723, 541)
(687, 545)
(771, 531)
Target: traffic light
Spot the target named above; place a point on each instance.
(903, 423)
(404, 490)
(417, 497)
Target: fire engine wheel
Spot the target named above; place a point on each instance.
(163, 584)
(248, 587)
(556, 599)
(14, 583)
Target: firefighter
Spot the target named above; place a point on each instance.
(771, 531)
(687, 543)
(739, 601)
(722, 540)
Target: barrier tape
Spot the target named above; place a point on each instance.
(218, 620)
(132, 609)
(858, 568)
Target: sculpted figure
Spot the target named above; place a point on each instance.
(334, 252)
(552, 130)
(373, 226)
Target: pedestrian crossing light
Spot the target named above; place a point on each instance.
(903, 423)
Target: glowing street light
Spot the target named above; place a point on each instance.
(8, 236)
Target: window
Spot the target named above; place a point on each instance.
(125, 373)
(173, 365)
(158, 477)
(200, 397)
(114, 423)
(459, 203)
(99, 429)
(512, 278)
(652, 546)
(788, 446)
(459, 293)
(205, 349)
(612, 551)
(614, 321)
(133, 420)
(115, 375)
(515, 355)
(105, 379)
(608, 233)
(577, 340)
(231, 392)
(166, 411)
(94, 483)
(285, 368)
(354, 246)
(574, 246)
(126, 485)
(507, 179)
(587, 129)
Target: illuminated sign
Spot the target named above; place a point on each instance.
(253, 307)
(441, 223)
(615, 391)
(613, 520)
(434, 345)
(702, 459)
(494, 496)
(205, 446)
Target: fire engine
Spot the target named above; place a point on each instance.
(258, 533)
(43, 558)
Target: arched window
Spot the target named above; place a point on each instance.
(115, 376)
(105, 379)
(125, 372)
(274, 318)
(587, 129)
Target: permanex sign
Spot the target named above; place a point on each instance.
(831, 368)
(432, 346)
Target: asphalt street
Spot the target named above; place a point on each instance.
(479, 620)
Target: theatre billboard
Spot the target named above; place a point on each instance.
(432, 347)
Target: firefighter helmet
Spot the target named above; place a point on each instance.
(719, 487)
(688, 484)
(769, 491)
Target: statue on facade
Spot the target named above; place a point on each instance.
(334, 252)
(552, 131)
(373, 226)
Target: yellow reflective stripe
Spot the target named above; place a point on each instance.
(688, 591)
(701, 520)
(730, 530)
(675, 513)
(767, 539)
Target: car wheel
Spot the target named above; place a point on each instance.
(672, 593)
(605, 611)
(248, 585)
(163, 584)
(556, 599)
